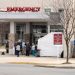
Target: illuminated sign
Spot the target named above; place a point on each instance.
(23, 9)
(57, 39)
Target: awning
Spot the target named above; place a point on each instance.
(24, 16)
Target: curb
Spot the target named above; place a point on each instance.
(51, 66)
(33, 63)
(46, 65)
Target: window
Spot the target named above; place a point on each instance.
(39, 29)
(56, 28)
(47, 11)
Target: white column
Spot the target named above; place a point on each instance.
(11, 38)
(12, 28)
(48, 26)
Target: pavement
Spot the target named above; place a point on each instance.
(49, 62)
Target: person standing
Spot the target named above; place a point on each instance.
(33, 50)
(37, 51)
(17, 49)
(7, 47)
(23, 48)
(28, 49)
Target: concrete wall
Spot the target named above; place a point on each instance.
(34, 3)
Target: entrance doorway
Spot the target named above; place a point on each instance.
(20, 30)
(38, 29)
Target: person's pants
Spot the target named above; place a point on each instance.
(17, 53)
(33, 52)
(7, 50)
(27, 53)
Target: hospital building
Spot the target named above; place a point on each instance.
(28, 20)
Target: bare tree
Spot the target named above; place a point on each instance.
(68, 22)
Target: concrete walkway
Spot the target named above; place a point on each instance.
(38, 61)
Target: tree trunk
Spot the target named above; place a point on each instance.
(67, 58)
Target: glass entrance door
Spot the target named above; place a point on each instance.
(20, 30)
(38, 31)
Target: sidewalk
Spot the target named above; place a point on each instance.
(52, 62)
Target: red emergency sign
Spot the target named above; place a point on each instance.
(57, 39)
(23, 9)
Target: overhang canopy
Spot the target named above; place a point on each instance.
(24, 16)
